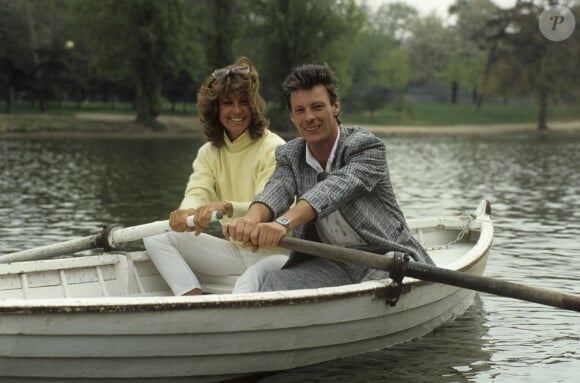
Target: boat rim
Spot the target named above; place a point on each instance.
(273, 298)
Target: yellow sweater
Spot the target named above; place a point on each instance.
(236, 172)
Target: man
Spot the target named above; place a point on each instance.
(340, 180)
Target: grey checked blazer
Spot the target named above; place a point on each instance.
(358, 186)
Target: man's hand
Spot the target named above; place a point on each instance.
(240, 229)
(253, 234)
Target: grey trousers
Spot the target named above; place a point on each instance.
(317, 272)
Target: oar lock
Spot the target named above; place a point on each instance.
(104, 239)
(391, 293)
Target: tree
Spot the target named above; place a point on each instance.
(428, 48)
(521, 61)
(381, 79)
(394, 71)
(368, 94)
(141, 40)
(32, 54)
(394, 19)
(377, 65)
(15, 56)
(464, 66)
(220, 28)
(285, 33)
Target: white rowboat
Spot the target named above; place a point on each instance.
(112, 316)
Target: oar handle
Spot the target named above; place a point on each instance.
(215, 216)
(119, 236)
(110, 238)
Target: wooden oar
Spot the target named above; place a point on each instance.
(111, 237)
(427, 272)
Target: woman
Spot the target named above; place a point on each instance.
(229, 170)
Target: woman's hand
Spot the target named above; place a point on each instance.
(177, 219)
(202, 216)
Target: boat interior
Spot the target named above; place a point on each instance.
(123, 274)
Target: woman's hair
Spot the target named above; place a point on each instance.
(242, 77)
(307, 77)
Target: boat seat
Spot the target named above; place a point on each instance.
(90, 276)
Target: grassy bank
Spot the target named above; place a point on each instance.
(98, 118)
(462, 114)
(73, 108)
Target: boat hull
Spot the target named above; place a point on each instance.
(217, 337)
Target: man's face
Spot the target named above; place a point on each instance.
(313, 115)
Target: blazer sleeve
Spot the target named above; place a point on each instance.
(280, 190)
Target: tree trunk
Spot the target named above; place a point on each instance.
(34, 48)
(478, 102)
(474, 96)
(9, 91)
(543, 108)
(454, 88)
(148, 102)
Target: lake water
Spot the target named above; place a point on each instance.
(58, 189)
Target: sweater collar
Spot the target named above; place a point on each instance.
(241, 143)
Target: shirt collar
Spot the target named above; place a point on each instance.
(313, 162)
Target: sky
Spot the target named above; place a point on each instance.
(427, 6)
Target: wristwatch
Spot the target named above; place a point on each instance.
(284, 222)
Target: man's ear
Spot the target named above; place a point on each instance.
(336, 108)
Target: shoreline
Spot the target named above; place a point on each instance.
(564, 126)
(97, 125)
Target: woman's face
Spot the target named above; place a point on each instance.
(235, 114)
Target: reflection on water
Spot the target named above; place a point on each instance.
(56, 189)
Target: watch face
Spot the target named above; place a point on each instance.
(283, 221)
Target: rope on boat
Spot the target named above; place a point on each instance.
(466, 228)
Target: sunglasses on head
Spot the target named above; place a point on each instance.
(220, 74)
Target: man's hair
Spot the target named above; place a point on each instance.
(215, 89)
(307, 77)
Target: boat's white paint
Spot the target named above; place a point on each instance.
(112, 317)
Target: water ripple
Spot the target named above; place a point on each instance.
(53, 190)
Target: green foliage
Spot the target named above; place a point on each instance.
(287, 33)
(461, 114)
(394, 20)
(393, 68)
(220, 25)
(428, 48)
(522, 62)
(378, 66)
(142, 54)
(370, 90)
(139, 39)
(15, 56)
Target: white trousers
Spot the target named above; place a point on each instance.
(177, 255)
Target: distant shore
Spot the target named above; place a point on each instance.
(93, 125)
(568, 126)
(119, 125)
